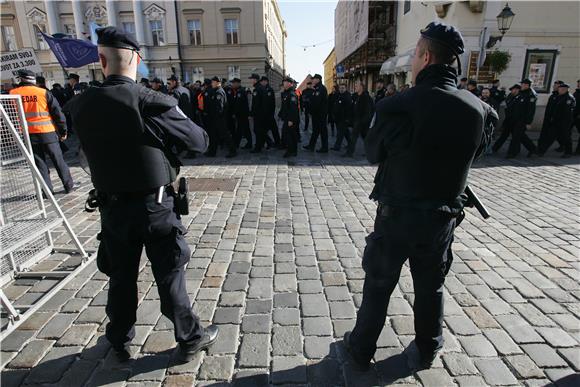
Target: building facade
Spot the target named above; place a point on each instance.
(364, 37)
(192, 39)
(543, 40)
(330, 69)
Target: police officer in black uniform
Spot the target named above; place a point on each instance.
(270, 111)
(496, 93)
(258, 112)
(547, 126)
(239, 110)
(381, 92)
(130, 135)
(342, 110)
(319, 109)
(217, 110)
(524, 110)
(425, 139)
(561, 122)
(290, 115)
(305, 103)
(182, 95)
(508, 124)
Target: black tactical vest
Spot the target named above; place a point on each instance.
(122, 152)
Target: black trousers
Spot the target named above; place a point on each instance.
(506, 131)
(273, 126)
(357, 130)
(577, 125)
(424, 237)
(306, 119)
(319, 128)
(342, 133)
(290, 134)
(240, 128)
(128, 224)
(519, 137)
(219, 132)
(259, 132)
(562, 133)
(54, 153)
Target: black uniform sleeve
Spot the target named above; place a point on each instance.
(490, 122)
(531, 111)
(179, 131)
(56, 114)
(385, 135)
(294, 114)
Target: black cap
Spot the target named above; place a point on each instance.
(254, 76)
(558, 82)
(288, 79)
(216, 79)
(144, 80)
(527, 81)
(25, 74)
(317, 76)
(447, 35)
(73, 76)
(562, 84)
(472, 82)
(264, 78)
(207, 81)
(117, 38)
(157, 80)
(463, 79)
(516, 86)
(236, 80)
(224, 80)
(173, 78)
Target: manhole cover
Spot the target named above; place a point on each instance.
(209, 184)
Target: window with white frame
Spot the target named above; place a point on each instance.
(233, 72)
(8, 39)
(157, 32)
(197, 74)
(129, 28)
(232, 30)
(194, 29)
(40, 42)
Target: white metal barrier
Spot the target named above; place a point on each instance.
(25, 227)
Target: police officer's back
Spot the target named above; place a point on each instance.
(290, 115)
(217, 109)
(426, 140)
(130, 135)
(523, 114)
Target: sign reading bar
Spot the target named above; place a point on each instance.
(24, 59)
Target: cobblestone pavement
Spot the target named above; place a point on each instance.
(277, 264)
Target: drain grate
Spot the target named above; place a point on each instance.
(211, 184)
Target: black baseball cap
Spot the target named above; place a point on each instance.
(216, 79)
(516, 86)
(264, 78)
(527, 81)
(116, 38)
(236, 80)
(562, 84)
(317, 76)
(157, 80)
(73, 76)
(173, 78)
(288, 79)
(254, 76)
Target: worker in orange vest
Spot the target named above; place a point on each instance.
(46, 127)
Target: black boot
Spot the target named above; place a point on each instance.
(188, 350)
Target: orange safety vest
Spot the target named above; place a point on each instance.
(298, 94)
(35, 109)
(200, 101)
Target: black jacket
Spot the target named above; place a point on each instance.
(548, 113)
(306, 96)
(289, 107)
(258, 110)
(238, 102)
(218, 107)
(380, 94)
(497, 94)
(131, 135)
(525, 107)
(362, 111)
(426, 140)
(269, 101)
(319, 101)
(342, 107)
(563, 111)
(183, 97)
(577, 109)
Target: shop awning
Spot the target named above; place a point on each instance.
(398, 64)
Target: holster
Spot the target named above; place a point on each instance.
(181, 199)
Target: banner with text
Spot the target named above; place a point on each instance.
(24, 59)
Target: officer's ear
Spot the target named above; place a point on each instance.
(103, 60)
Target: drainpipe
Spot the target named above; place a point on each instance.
(178, 40)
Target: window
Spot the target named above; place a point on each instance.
(8, 39)
(70, 30)
(129, 28)
(233, 72)
(40, 42)
(406, 6)
(194, 28)
(539, 68)
(232, 27)
(157, 32)
(197, 73)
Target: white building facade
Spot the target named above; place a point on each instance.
(193, 39)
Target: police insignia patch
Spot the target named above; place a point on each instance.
(569, 102)
(255, 93)
(532, 99)
(293, 99)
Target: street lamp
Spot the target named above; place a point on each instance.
(504, 23)
(505, 19)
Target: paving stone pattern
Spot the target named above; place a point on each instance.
(277, 264)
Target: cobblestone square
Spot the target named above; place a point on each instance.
(277, 264)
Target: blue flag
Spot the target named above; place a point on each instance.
(72, 52)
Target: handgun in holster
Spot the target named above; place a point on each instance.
(181, 198)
